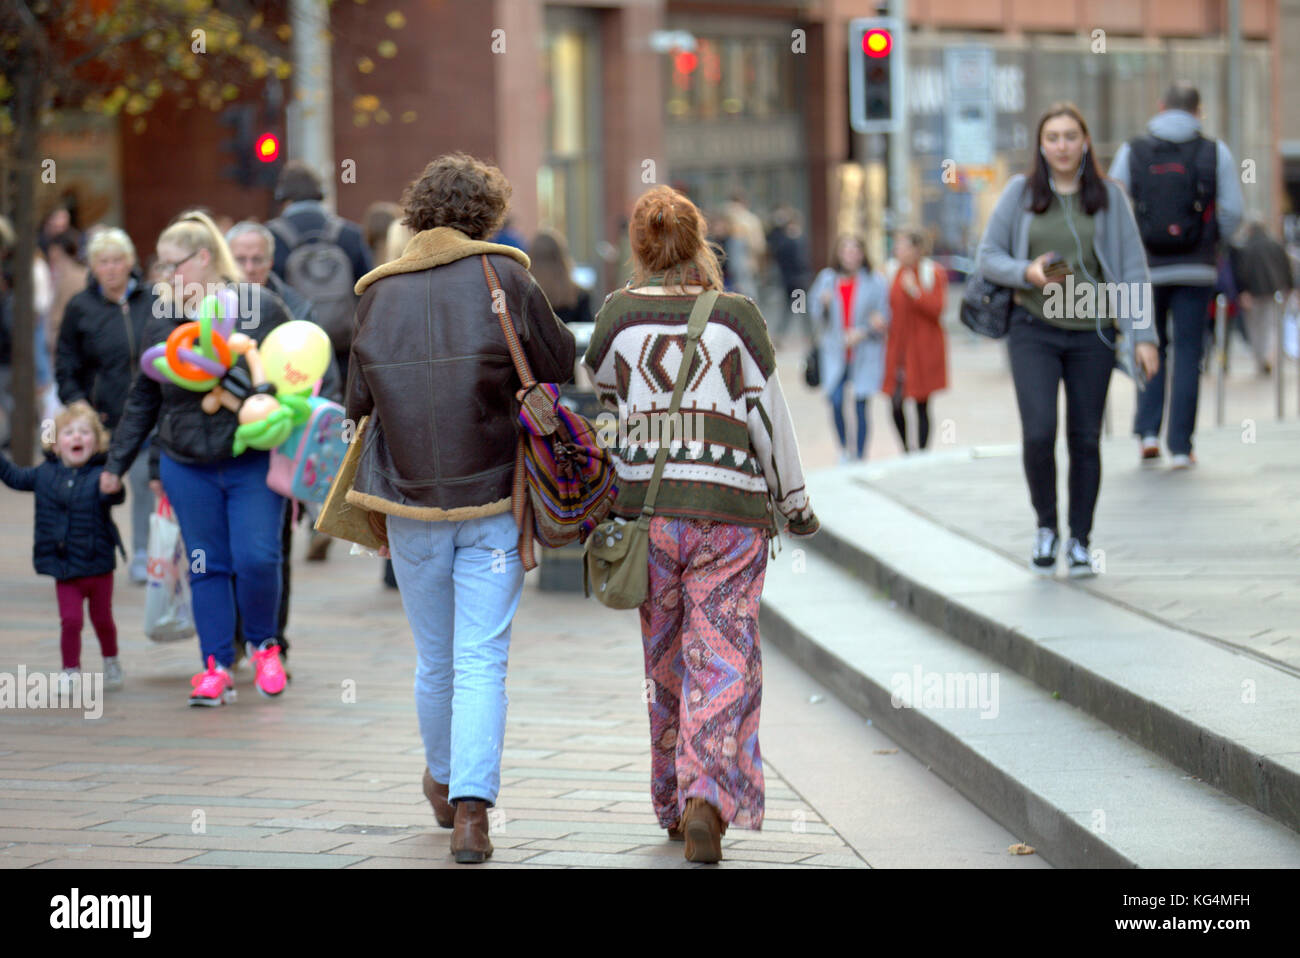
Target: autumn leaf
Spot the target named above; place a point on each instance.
(1021, 849)
(885, 751)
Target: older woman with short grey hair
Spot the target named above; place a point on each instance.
(98, 357)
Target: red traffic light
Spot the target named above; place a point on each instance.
(877, 43)
(267, 148)
(685, 62)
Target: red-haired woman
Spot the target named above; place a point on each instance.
(714, 513)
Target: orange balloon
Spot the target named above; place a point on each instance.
(183, 337)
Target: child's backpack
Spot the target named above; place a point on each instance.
(304, 465)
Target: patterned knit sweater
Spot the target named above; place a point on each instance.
(736, 451)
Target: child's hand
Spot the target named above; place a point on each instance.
(109, 484)
(155, 486)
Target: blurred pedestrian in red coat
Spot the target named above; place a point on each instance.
(916, 364)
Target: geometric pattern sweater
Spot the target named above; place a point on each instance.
(732, 450)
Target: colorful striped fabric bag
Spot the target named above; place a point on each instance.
(564, 480)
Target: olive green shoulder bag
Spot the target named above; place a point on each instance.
(617, 563)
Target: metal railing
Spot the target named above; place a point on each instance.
(1279, 358)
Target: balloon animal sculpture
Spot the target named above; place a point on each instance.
(201, 356)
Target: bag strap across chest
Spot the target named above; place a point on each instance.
(694, 329)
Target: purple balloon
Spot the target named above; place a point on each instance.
(147, 358)
(209, 366)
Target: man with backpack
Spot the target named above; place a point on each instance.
(1186, 196)
(319, 254)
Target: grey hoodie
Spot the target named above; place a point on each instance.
(1179, 126)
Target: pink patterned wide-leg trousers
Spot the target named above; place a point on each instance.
(704, 670)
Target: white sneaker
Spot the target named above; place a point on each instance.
(1043, 559)
(1182, 461)
(1080, 560)
(1150, 450)
(140, 568)
(113, 678)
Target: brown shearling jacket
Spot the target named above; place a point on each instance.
(430, 366)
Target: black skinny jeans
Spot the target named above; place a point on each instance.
(1041, 356)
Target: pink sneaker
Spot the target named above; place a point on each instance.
(213, 687)
(270, 677)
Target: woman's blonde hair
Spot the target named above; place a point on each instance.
(111, 240)
(79, 409)
(194, 230)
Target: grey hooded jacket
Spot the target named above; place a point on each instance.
(1179, 126)
(1004, 252)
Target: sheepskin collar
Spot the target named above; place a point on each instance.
(436, 247)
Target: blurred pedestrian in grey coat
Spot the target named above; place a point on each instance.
(849, 303)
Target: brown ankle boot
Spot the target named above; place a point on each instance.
(469, 840)
(703, 830)
(436, 793)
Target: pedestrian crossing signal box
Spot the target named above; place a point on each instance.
(876, 75)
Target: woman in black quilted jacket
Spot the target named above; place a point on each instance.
(75, 536)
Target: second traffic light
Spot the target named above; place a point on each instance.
(876, 75)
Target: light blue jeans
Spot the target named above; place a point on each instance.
(460, 584)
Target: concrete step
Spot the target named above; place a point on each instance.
(1226, 718)
(1078, 791)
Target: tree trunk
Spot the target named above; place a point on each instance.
(27, 83)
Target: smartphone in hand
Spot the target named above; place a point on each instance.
(1054, 267)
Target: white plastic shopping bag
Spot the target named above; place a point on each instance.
(167, 613)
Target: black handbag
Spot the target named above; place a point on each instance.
(986, 307)
(812, 369)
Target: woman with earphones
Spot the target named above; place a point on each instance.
(1066, 218)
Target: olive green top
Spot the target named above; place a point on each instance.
(1049, 232)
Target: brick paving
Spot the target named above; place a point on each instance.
(326, 778)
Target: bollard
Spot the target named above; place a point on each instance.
(1279, 312)
(1221, 355)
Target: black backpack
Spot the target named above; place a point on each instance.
(320, 269)
(1173, 186)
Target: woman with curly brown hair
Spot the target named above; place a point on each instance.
(431, 368)
(722, 487)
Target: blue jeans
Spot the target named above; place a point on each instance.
(460, 584)
(226, 510)
(860, 407)
(1189, 306)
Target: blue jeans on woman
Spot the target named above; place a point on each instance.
(860, 407)
(460, 584)
(230, 521)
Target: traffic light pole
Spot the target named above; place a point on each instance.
(310, 114)
(899, 154)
